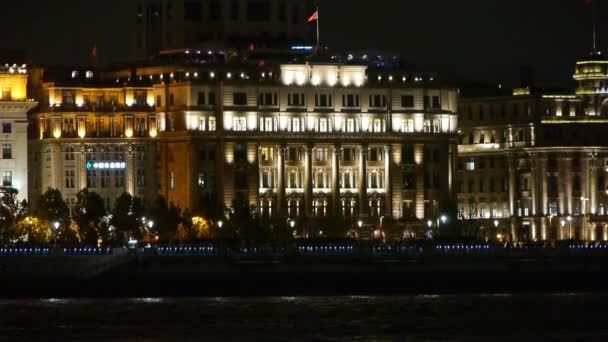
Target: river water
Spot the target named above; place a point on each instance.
(496, 317)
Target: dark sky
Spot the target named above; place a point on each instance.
(485, 40)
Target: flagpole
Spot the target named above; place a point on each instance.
(593, 15)
(318, 35)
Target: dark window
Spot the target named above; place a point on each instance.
(235, 10)
(201, 98)
(427, 102)
(171, 100)
(436, 102)
(7, 127)
(215, 10)
(282, 12)
(408, 154)
(240, 180)
(258, 10)
(202, 155)
(212, 98)
(211, 155)
(407, 101)
(240, 99)
(240, 153)
(193, 11)
(409, 181)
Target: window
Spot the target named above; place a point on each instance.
(7, 127)
(436, 102)
(69, 179)
(68, 97)
(427, 102)
(267, 124)
(159, 101)
(323, 100)
(201, 98)
(350, 100)
(323, 125)
(6, 94)
(105, 179)
(267, 179)
(200, 180)
(377, 101)
(141, 178)
(294, 125)
(409, 181)
(235, 11)
(7, 151)
(268, 99)
(407, 101)
(7, 178)
(267, 154)
(350, 125)
(296, 100)
(212, 98)
(377, 126)
(119, 178)
(348, 180)
(171, 100)
(258, 10)
(193, 11)
(172, 180)
(239, 99)
(240, 124)
(91, 179)
(211, 124)
(470, 165)
(321, 155)
(407, 126)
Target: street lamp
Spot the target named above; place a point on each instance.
(220, 223)
(496, 224)
(360, 224)
(150, 224)
(444, 219)
(429, 223)
(292, 224)
(569, 218)
(56, 225)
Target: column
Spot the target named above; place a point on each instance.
(308, 180)
(419, 159)
(82, 168)
(592, 185)
(130, 171)
(511, 163)
(281, 200)
(534, 195)
(335, 180)
(363, 207)
(388, 199)
(544, 199)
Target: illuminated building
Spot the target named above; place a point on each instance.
(538, 164)
(307, 140)
(14, 106)
(173, 24)
(93, 133)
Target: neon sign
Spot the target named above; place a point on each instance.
(106, 165)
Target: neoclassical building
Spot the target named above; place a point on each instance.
(534, 166)
(14, 105)
(91, 132)
(307, 140)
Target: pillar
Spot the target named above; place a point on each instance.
(419, 159)
(363, 207)
(130, 171)
(281, 199)
(308, 180)
(335, 180)
(388, 199)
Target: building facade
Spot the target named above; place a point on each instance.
(308, 140)
(14, 106)
(170, 24)
(94, 134)
(534, 167)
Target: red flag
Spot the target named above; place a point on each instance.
(314, 17)
(589, 2)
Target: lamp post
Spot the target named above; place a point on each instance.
(150, 224)
(56, 225)
(497, 232)
(292, 224)
(563, 224)
(569, 218)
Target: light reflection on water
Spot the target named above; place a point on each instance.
(480, 317)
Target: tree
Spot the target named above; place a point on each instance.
(209, 208)
(166, 218)
(11, 212)
(53, 208)
(33, 231)
(126, 217)
(90, 210)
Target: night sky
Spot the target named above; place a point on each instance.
(482, 40)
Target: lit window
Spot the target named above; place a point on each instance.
(471, 165)
(7, 178)
(7, 151)
(240, 124)
(172, 181)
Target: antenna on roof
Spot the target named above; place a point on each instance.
(592, 5)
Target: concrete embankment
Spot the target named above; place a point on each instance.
(130, 275)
